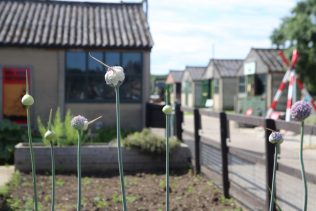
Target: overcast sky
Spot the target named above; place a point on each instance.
(190, 32)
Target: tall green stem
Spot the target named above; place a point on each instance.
(167, 160)
(302, 167)
(119, 150)
(32, 158)
(79, 172)
(53, 175)
(272, 198)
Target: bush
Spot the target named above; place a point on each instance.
(10, 135)
(106, 135)
(66, 135)
(148, 142)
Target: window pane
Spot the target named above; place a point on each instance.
(132, 63)
(131, 90)
(75, 89)
(242, 84)
(75, 61)
(112, 58)
(94, 65)
(97, 90)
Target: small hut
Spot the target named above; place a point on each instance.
(192, 87)
(173, 81)
(258, 80)
(221, 77)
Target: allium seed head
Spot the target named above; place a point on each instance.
(27, 100)
(78, 122)
(50, 136)
(300, 111)
(114, 76)
(167, 109)
(276, 138)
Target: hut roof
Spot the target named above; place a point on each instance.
(270, 58)
(196, 72)
(174, 76)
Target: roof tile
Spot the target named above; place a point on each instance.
(73, 24)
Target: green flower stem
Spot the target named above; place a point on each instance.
(167, 160)
(32, 158)
(272, 199)
(119, 150)
(79, 172)
(302, 167)
(53, 175)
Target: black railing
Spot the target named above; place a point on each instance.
(265, 159)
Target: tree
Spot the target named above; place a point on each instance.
(299, 31)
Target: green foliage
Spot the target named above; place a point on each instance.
(148, 142)
(299, 31)
(66, 135)
(106, 135)
(100, 203)
(70, 132)
(10, 135)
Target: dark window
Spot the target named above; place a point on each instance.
(85, 77)
(242, 84)
(260, 84)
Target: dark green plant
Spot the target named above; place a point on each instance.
(107, 134)
(10, 135)
(148, 142)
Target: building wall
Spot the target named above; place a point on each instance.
(44, 75)
(217, 102)
(228, 92)
(48, 87)
(254, 57)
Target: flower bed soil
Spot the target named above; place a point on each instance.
(144, 192)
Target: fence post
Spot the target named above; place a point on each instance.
(179, 120)
(197, 127)
(224, 152)
(269, 152)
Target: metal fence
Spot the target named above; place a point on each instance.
(244, 174)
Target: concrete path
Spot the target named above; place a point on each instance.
(5, 174)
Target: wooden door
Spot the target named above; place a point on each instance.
(13, 91)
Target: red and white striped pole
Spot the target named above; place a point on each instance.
(289, 96)
(292, 88)
(278, 94)
(305, 93)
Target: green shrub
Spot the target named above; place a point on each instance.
(148, 142)
(66, 135)
(107, 134)
(10, 135)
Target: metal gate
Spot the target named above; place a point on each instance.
(154, 116)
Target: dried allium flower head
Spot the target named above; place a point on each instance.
(79, 122)
(27, 100)
(167, 109)
(276, 138)
(114, 76)
(300, 110)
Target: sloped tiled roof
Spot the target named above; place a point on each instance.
(270, 58)
(227, 67)
(73, 24)
(176, 75)
(196, 73)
